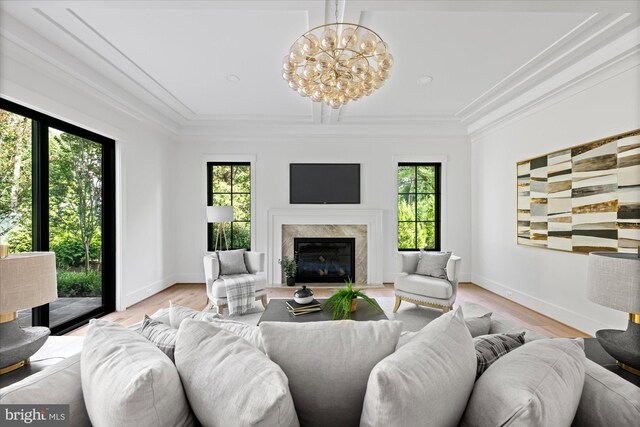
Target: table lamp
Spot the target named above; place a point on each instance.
(613, 280)
(27, 280)
(220, 215)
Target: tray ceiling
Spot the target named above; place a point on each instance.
(176, 57)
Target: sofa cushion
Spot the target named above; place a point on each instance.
(232, 262)
(433, 264)
(426, 382)
(490, 348)
(219, 290)
(328, 364)
(161, 335)
(424, 285)
(178, 313)
(126, 380)
(538, 384)
(229, 382)
(607, 399)
(57, 384)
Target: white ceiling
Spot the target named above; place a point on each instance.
(175, 56)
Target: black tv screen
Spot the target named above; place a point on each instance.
(324, 183)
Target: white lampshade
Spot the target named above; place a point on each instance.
(27, 280)
(219, 213)
(613, 280)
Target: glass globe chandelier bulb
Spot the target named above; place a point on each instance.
(287, 65)
(381, 47)
(348, 38)
(329, 39)
(337, 63)
(310, 44)
(368, 43)
(296, 54)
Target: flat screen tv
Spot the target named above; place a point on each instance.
(324, 183)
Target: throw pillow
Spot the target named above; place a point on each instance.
(126, 380)
(232, 262)
(537, 385)
(328, 364)
(433, 264)
(477, 326)
(490, 348)
(426, 382)
(161, 335)
(229, 382)
(250, 333)
(178, 313)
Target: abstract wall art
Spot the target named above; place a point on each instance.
(584, 198)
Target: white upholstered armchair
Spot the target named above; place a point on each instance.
(426, 290)
(216, 290)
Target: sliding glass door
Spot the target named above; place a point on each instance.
(60, 197)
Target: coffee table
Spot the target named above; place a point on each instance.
(276, 311)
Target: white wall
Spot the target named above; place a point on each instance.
(272, 188)
(144, 185)
(548, 281)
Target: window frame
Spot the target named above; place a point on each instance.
(438, 202)
(210, 193)
(41, 123)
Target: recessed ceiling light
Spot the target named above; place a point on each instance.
(425, 80)
(233, 78)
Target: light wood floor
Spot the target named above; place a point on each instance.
(194, 296)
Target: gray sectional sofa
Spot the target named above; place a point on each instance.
(606, 400)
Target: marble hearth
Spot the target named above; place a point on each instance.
(359, 232)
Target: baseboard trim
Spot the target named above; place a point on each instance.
(148, 291)
(559, 314)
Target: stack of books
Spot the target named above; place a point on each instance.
(298, 309)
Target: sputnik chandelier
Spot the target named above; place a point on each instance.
(337, 63)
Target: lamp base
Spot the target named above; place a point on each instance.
(18, 344)
(13, 367)
(624, 346)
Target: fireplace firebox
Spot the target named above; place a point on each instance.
(325, 259)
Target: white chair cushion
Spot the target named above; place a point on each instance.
(424, 285)
(218, 290)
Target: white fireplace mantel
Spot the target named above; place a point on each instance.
(372, 218)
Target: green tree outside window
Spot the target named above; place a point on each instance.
(229, 184)
(418, 206)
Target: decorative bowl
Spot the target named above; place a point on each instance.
(303, 296)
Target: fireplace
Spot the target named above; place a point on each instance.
(325, 259)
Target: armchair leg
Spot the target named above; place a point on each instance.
(263, 299)
(219, 309)
(397, 304)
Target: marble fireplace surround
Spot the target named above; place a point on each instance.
(357, 231)
(366, 223)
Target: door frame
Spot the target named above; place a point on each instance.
(40, 208)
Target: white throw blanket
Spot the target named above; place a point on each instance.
(241, 292)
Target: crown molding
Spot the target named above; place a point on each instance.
(23, 45)
(614, 58)
(451, 129)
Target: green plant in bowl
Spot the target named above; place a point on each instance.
(340, 303)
